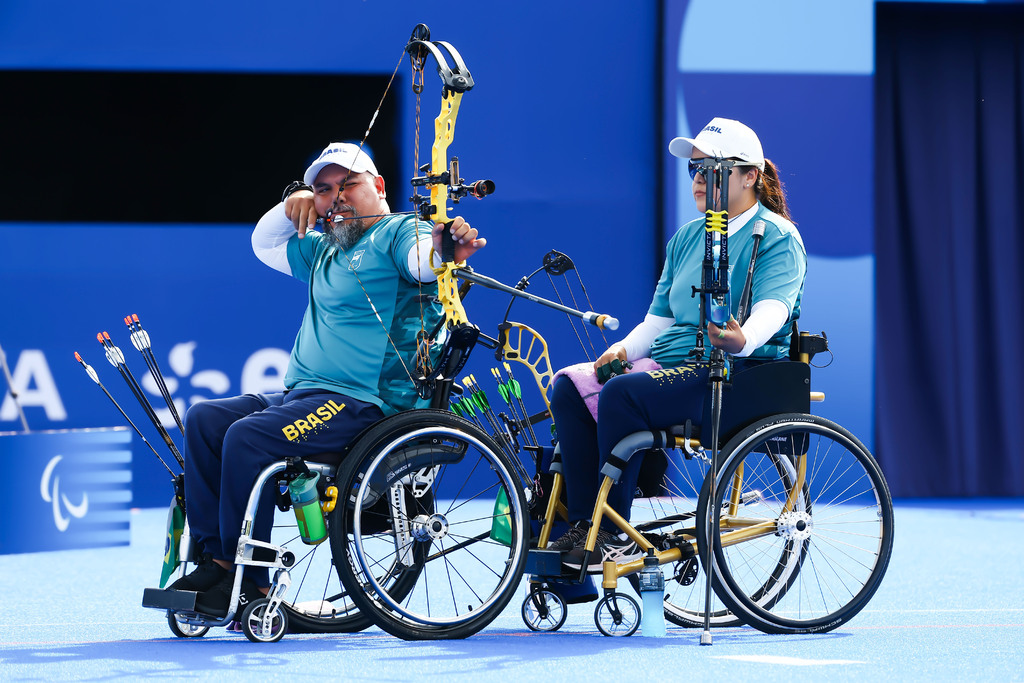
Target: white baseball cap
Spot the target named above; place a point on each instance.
(723, 138)
(344, 154)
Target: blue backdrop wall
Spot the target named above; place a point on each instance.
(573, 108)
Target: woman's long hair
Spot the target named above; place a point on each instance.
(770, 192)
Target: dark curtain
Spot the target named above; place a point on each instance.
(949, 244)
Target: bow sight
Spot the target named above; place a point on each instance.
(456, 189)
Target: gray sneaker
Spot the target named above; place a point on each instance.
(576, 535)
(609, 548)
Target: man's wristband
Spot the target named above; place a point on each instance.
(293, 187)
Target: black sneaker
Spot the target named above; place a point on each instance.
(609, 548)
(576, 535)
(204, 577)
(216, 601)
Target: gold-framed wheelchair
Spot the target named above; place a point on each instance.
(799, 529)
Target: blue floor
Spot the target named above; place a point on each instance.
(951, 608)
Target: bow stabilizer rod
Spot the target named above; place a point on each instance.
(604, 321)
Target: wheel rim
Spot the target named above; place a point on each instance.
(543, 610)
(628, 621)
(451, 532)
(185, 629)
(253, 623)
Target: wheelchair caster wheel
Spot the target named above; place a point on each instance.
(184, 630)
(257, 629)
(617, 615)
(544, 610)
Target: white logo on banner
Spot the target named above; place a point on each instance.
(263, 372)
(52, 494)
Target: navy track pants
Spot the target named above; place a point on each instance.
(628, 403)
(229, 441)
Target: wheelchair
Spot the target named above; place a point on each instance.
(799, 530)
(428, 533)
(428, 501)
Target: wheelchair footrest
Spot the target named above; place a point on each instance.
(164, 598)
(544, 562)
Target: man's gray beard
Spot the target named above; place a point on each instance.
(345, 234)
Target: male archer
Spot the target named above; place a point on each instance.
(352, 362)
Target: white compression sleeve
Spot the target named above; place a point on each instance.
(638, 342)
(420, 264)
(270, 239)
(766, 318)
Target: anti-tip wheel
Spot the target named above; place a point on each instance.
(254, 627)
(544, 610)
(185, 630)
(617, 615)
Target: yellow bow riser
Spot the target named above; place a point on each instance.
(444, 133)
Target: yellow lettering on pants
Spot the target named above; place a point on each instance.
(313, 421)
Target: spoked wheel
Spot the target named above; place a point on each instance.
(432, 536)
(544, 610)
(183, 629)
(803, 525)
(260, 629)
(673, 515)
(617, 615)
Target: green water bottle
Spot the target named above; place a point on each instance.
(306, 503)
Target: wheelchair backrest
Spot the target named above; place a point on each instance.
(758, 392)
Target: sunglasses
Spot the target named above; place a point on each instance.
(694, 167)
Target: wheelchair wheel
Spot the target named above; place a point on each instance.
(183, 629)
(673, 515)
(544, 610)
(801, 560)
(256, 630)
(432, 537)
(617, 615)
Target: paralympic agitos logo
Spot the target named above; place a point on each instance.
(49, 489)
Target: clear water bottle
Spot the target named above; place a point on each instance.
(652, 594)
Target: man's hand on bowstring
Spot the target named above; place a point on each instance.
(730, 340)
(301, 211)
(466, 241)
